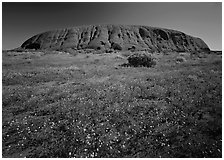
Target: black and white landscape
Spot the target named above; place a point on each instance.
(111, 90)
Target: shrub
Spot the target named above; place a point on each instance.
(180, 59)
(143, 59)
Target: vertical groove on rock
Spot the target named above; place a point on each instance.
(109, 36)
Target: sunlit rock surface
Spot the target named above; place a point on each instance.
(118, 37)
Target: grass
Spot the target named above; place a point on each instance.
(59, 105)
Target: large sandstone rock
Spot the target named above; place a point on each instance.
(118, 37)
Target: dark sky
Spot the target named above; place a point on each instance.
(22, 20)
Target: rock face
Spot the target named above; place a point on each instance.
(118, 37)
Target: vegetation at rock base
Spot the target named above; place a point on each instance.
(60, 105)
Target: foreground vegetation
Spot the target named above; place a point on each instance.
(86, 105)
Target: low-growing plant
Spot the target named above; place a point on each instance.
(180, 59)
(59, 111)
(141, 59)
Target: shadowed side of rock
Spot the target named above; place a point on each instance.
(117, 37)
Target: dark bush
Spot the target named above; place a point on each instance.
(180, 59)
(142, 59)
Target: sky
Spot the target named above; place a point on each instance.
(22, 20)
